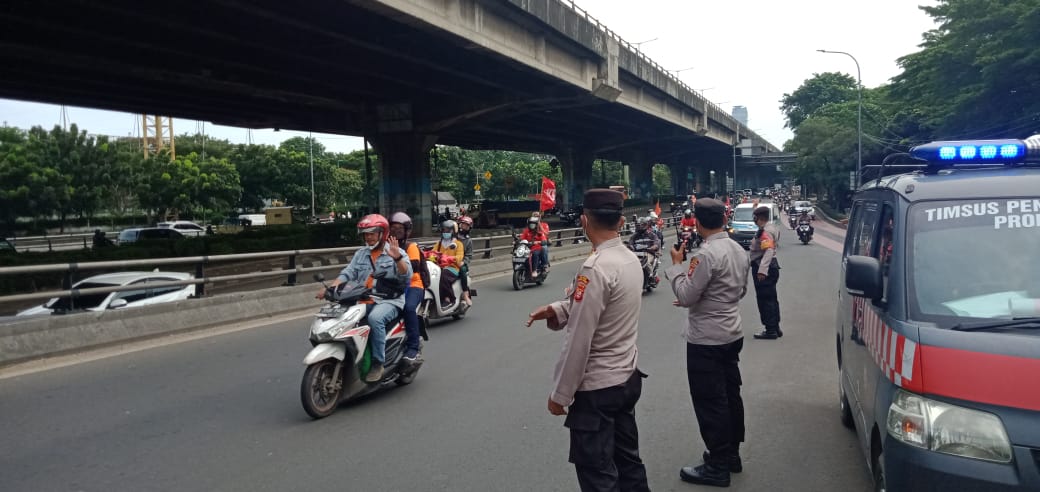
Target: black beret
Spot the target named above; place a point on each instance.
(711, 206)
(604, 201)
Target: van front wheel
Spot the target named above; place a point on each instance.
(843, 402)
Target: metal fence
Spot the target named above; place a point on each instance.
(71, 271)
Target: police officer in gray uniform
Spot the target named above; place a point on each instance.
(596, 377)
(766, 273)
(711, 286)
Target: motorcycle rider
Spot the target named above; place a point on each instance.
(465, 225)
(645, 239)
(545, 248)
(805, 219)
(656, 224)
(535, 236)
(688, 220)
(401, 228)
(450, 255)
(381, 254)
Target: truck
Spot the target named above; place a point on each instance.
(501, 213)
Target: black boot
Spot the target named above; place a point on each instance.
(706, 474)
(733, 463)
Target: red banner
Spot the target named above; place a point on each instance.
(548, 197)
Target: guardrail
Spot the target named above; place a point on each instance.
(69, 271)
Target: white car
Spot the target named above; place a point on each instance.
(801, 205)
(187, 228)
(144, 296)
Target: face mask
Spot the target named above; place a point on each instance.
(445, 235)
(464, 233)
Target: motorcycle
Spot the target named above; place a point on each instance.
(649, 262)
(523, 266)
(792, 219)
(691, 238)
(341, 356)
(570, 216)
(431, 309)
(804, 233)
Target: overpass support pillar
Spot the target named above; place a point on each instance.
(404, 160)
(681, 183)
(577, 176)
(641, 179)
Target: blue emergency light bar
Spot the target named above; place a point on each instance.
(977, 152)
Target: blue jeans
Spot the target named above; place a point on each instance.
(412, 297)
(378, 316)
(545, 256)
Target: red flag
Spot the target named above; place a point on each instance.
(548, 197)
(657, 208)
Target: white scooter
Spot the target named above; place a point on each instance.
(431, 309)
(341, 357)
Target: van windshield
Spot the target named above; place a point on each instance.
(743, 215)
(974, 259)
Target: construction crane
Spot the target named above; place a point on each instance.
(156, 135)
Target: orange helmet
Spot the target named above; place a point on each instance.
(374, 223)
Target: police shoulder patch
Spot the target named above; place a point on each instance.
(579, 287)
(693, 265)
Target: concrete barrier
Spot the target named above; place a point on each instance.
(37, 337)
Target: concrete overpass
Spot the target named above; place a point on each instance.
(530, 75)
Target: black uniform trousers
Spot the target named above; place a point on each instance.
(605, 439)
(714, 377)
(765, 294)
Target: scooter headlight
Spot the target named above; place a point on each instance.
(946, 428)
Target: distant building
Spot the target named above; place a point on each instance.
(740, 114)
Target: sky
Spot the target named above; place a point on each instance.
(742, 52)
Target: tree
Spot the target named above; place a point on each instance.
(259, 174)
(815, 93)
(662, 180)
(977, 74)
(204, 146)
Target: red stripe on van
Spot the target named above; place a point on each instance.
(978, 376)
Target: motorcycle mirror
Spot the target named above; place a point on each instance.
(319, 277)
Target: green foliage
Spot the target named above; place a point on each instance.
(816, 93)
(662, 180)
(513, 174)
(978, 74)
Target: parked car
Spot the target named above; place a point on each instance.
(187, 228)
(6, 247)
(128, 236)
(145, 296)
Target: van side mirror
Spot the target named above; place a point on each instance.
(863, 277)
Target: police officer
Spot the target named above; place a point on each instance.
(711, 287)
(766, 272)
(596, 377)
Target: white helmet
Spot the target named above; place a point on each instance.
(653, 215)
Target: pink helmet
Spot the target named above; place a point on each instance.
(374, 223)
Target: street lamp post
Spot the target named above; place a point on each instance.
(640, 44)
(859, 115)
